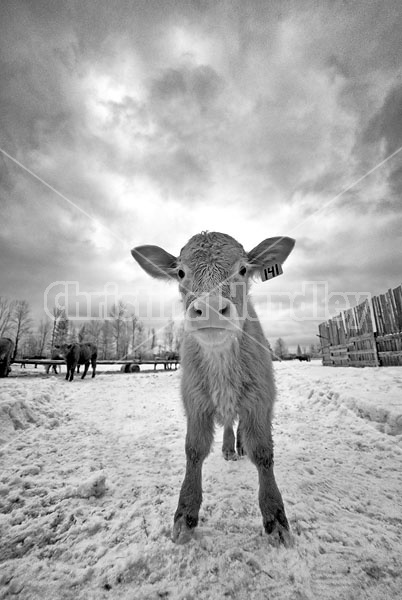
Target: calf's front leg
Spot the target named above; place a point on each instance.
(200, 432)
(259, 446)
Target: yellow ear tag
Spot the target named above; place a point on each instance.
(271, 272)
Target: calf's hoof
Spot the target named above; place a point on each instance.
(278, 531)
(183, 530)
(280, 536)
(229, 455)
(240, 451)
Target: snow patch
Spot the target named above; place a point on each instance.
(86, 508)
(22, 408)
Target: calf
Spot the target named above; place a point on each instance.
(6, 353)
(79, 354)
(226, 364)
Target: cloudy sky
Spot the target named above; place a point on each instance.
(143, 121)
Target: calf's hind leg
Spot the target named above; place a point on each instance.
(228, 446)
(200, 432)
(239, 440)
(230, 441)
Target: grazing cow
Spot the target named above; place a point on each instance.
(6, 353)
(226, 364)
(79, 354)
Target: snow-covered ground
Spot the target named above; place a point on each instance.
(90, 473)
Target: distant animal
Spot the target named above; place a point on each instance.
(226, 364)
(6, 354)
(56, 355)
(79, 354)
(305, 357)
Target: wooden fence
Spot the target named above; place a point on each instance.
(368, 335)
(167, 363)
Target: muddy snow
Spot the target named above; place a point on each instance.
(90, 473)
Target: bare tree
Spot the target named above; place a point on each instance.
(152, 338)
(105, 340)
(42, 336)
(134, 323)
(178, 338)
(62, 329)
(22, 322)
(6, 312)
(31, 345)
(298, 351)
(140, 343)
(118, 314)
(82, 333)
(125, 341)
(58, 315)
(71, 333)
(280, 349)
(94, 329)
(168, 335)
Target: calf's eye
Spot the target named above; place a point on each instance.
(242, 271)
(181, 274)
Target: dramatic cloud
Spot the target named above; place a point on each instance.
(147, 122)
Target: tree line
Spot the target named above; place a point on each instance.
(122, 335)
(281, 350)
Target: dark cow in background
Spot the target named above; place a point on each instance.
(305, 357)
(226, 364)
(79, 354)
(6, 354)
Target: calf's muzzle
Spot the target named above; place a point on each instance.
(212, 318)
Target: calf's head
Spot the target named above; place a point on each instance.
(213, 272)
(62, 350)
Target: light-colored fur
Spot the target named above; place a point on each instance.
(226, 364)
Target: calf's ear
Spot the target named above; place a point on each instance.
(155, 261)
(271, 251)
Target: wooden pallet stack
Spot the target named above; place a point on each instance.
(388, 318)
(350, 339)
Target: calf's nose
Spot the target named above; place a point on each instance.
(210, 311)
